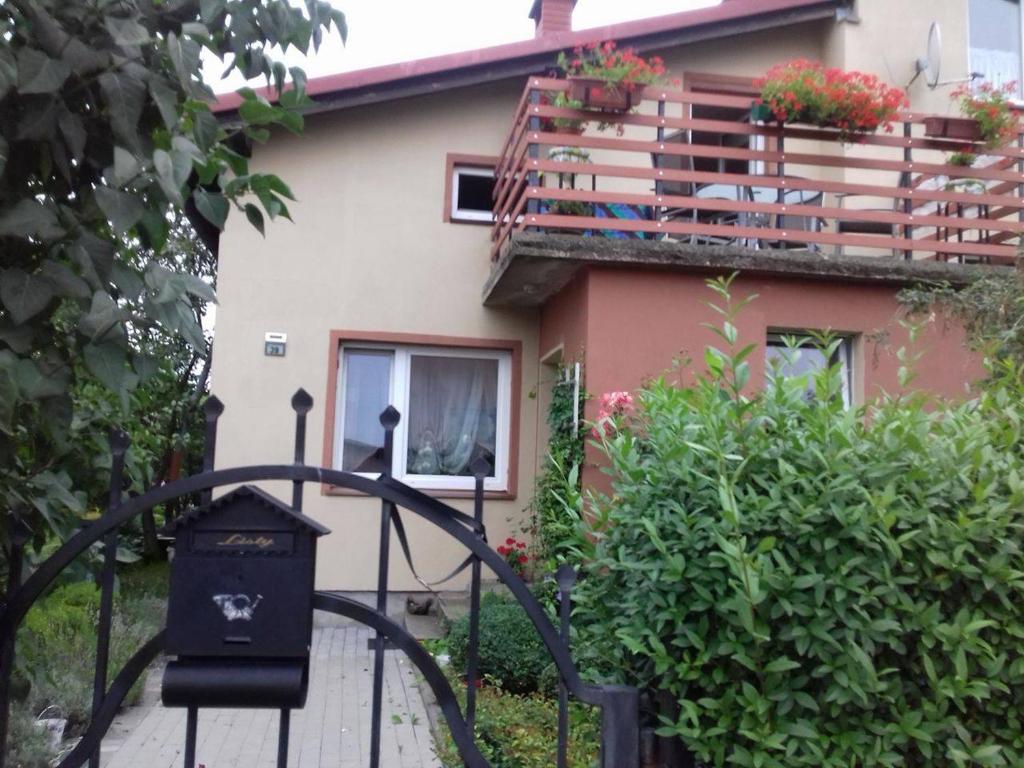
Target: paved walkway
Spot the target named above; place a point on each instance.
(333, 731)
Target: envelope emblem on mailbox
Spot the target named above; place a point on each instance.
(237, 607)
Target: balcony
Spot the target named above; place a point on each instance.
(689, 178)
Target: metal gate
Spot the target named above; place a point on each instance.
(619, 704)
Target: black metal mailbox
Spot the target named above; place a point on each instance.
(239, 614)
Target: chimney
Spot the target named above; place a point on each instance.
(552, 16)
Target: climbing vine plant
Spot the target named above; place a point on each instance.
(558, 501)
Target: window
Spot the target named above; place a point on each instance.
(792, 355)
(455, 405)
(995, 28)
(471, 189)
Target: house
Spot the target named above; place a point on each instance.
(399, 285)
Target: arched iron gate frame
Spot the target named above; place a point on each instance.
(619, 704)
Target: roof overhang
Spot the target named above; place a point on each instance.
(484, 65)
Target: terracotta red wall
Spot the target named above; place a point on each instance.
(564, 321)
(632, 324)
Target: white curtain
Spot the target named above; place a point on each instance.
(452, 413)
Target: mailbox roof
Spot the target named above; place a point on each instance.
(256, 494)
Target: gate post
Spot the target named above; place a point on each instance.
(19, 536)
(620, 727)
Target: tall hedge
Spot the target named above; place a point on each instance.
(815, 586)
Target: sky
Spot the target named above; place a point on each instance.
(388, 31)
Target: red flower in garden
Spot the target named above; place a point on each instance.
(613, 405)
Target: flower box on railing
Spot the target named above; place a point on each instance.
(963, 128)
(596, 93)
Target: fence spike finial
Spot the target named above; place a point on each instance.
(390, 417)
(480, 467)
(302, 401)
(213, 408)
(565, 577)
(119, 440)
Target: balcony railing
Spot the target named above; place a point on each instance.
(677, 169)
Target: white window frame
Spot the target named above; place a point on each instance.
(400, 384)
(468, 214)
(807, 340)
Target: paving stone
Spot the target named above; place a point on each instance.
(332, 731)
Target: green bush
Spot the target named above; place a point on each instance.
(515, 731)
(816, 586)
(28, 746)
(56, 648)
(510, 651)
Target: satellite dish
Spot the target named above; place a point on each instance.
(930, 65)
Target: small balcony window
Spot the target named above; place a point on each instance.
(471, 193)
(803, 355)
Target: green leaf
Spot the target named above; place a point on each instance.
(108, 363)
(17, 337)
(173, 169)
(166, 99)
(782, 664)
(36, 384)
(39, 120)
(73, 130)
(255, 217)
(8, 70)
(206, 129)
(213, 207)
(211, 10)
(38, 73)
(258, 111)
(126, 166)
(126, 31)
(64, 281)
(103, 317)
(184, 55)
(30, 218)
(146, 366)
(24, 295)
(123, 209)
(124, 94)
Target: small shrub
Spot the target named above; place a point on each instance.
(514, 731)
(510, 650)
(816, 586)
(57, 643)
(28, 745)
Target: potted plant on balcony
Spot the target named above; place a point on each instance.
(987, 117)
(802, 91)
(567, 125)
(604, 77)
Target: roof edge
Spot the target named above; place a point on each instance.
(428, 74)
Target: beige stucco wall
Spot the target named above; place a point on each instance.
(368, 251)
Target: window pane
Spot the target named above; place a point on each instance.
(807, 361)
(453, 414)
(995, 44)
(474, 192)
(367, 382)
